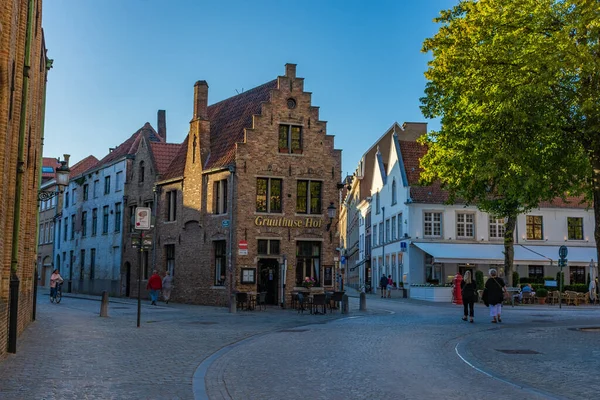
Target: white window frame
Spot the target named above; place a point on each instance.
(462, 221)
(429, 219)
(496, 227)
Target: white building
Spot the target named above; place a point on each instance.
(418, 239)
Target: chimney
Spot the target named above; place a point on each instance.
(162, 124)
(290, 70)
(201, 100)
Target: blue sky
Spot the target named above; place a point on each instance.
(116, 62)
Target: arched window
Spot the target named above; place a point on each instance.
(141, 172)
(394, 195)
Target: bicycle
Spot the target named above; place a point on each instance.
(57, 295)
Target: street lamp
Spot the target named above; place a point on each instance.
(330, 214)
(61, 177)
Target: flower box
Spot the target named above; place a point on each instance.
(431, 293)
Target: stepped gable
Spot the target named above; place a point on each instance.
(229, 117)
(82, 166)
(130, 146)
(163, 154)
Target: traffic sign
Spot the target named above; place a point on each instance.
(225, 223)
(243, 245)
(563, 251)
(142, 218)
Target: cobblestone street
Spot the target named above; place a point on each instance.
(399, 349)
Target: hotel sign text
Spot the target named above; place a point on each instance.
(283, 222)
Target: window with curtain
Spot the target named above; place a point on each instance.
(308, 261)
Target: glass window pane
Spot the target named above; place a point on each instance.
(274, 244)
(283, 137)
(262, 246)
(315, 197)
(261, 194)
(275, 195)
(296, 137)
(302, 192)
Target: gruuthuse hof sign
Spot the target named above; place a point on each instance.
(283, 222)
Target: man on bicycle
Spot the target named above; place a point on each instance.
(55, 280)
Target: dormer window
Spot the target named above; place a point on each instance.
(290, 139)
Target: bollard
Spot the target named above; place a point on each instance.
(345, 309)
(363, 301)
(232, 304)
(104, 304)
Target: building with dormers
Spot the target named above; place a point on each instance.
(244, 204)
(419, 239)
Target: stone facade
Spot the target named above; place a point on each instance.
(22, 91)
(229, 157)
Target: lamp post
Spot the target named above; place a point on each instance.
(330, 214)
(62, 180)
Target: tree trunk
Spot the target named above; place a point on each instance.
(509, 250)
(596, 194)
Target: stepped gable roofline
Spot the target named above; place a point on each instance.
(228, 119)
(163, 154)
(177, 165)
(82, 166)
(130, 146)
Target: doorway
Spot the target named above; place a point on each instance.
(127, 279)
(268, 279)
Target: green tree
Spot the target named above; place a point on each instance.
(519, 123)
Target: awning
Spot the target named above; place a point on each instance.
(484, 253)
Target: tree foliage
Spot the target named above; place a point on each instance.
(516, 84)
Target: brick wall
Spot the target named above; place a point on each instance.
(13, 20)
(198, 227)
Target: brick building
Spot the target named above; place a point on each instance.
(23, 69)
(256, 170)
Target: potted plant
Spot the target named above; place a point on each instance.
(541, 294)
(308, 282)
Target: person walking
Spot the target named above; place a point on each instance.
(383, 282)
(468, 289)
(167, 286)
(495, 288)
(390, 284)
(154, 285)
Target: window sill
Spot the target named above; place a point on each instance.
(218, 287)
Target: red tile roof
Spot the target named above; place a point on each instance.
(177, 166)
(228, 119)
(82, 166)
(130, 146)
(163, 154)
(412, 152)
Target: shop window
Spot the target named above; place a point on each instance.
(308, 197)
(220, 250)
(268, 195)
(535, 227)
(577, 275)
(308, 261)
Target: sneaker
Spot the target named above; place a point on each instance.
(464, 318)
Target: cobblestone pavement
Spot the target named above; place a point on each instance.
(422, 351)
(72, 353)
(400, 349)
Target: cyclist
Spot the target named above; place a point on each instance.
(55, 280)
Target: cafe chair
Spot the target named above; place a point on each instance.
(319, 300)
(261, 300)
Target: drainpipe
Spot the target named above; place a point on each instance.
(14, 266)
(231, 285)
(40, 164)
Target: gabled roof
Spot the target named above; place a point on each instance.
(229, 117)
(130, 146)
(381, 166)
(177, 166)
(163, 154)
(82, 166)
